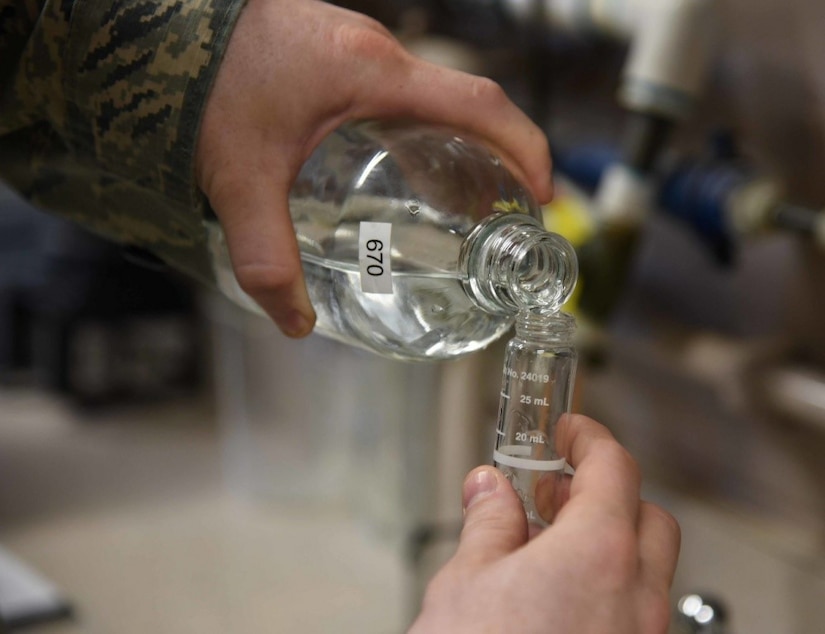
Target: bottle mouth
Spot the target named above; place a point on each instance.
(543, 272)
(510, 263)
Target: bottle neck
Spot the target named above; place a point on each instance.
(510, 263)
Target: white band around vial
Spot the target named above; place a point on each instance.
(526, 463)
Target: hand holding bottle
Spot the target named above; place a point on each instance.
(605, 565)
(294, 71)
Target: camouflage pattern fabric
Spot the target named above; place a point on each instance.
(99, 114)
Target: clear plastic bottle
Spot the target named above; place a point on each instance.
(395, 255)
(539, 372)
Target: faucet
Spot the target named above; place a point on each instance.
(670, 50)
(698, 614)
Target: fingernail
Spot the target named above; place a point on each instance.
(295, 324)
(481, 483)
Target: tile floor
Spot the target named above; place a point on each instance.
(127, 512)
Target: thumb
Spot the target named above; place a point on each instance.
(264, 253)
(494, 520)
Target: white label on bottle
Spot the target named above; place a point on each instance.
(374, 257)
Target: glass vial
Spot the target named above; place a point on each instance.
(538, 377)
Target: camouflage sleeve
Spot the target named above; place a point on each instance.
(100, 103)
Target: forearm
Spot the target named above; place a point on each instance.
(100, 111)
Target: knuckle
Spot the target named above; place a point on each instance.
(226, 183)
(219, 186)
(487, 516)
(259, 279)
(488, 90)
(492, 527)
(373, 24)
(365, 42)
(668, 521)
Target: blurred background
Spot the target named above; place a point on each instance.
(170, 463)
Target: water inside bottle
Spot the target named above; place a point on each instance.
(421, 319)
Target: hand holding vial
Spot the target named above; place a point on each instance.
(605, 565)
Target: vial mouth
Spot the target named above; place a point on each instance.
(544, 324)
(543, 272)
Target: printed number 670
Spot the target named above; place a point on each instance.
(375, 248)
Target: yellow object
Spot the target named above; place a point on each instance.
(570, 215)
(508, 206)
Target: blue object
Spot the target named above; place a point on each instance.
(585, 164)
(698, 194)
